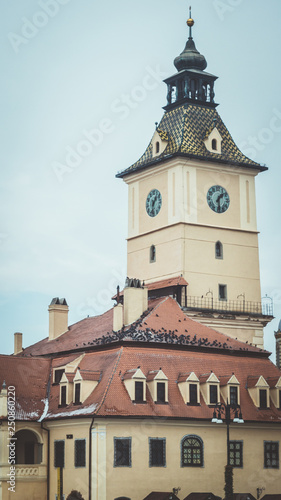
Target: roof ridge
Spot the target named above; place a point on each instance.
(109, 382)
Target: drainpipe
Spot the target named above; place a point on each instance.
(90, 459)
(48, 461)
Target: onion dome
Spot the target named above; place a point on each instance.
(190, 58)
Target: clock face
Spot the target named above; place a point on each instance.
(153, 202)
(218, 199)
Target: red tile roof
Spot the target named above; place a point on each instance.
(30, 378)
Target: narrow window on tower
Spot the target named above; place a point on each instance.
(222, 292)
(157, 147)
(152, 254)
(219, 250)
(214, 144)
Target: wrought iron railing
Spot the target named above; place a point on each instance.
(231, 306)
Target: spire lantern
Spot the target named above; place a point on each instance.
(191, 83)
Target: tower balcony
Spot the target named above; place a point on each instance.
(234, 307)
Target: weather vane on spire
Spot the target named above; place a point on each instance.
(190, 23)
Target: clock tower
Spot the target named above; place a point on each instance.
(192, 209)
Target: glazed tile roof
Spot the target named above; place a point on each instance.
(30, 378)
(186, 128)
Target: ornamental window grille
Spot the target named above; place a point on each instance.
(59, 453)
(235, 458)
(122, 452)
(192, 452)
(271, 454)
(233, 392)
(157, 452)
(80, 453)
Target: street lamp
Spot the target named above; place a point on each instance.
(225, 410)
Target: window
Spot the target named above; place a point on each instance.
(192, 452)
(152, 254)
(271, 454)
(213, 394)
(160, 392)
(222, 292)
(80, 453)
(122, 452)
(77, 394)
(233, 395)
(157, 452)
(263, 398)
(218, 250)
(236, 453)
(58, 375)
(214, 144)
(193, 394)
(63, 395)
(157, 147)
(59, 454)
(139, 392)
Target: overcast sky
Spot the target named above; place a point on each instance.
(73, 68)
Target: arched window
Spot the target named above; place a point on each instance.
(192, 451)
(157, 147)
(214, 144)
(28, 449)
(219, 250)
(152, 254)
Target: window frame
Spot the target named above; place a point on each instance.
(63, 395)
(194, 386)
(200, 441)
(231, 388)
(158, 400)
(222, 286)
(76, 465)
(261, 406)
(56, 443)
(265, 451)
(219, 250)
(137, 400)
(115, 441)
(239, 449)
(211, 387)
(157, 439)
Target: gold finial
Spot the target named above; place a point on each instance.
(190, 23)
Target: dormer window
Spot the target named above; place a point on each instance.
(157, 147)
(58, 375)
(63, 395)
(209, 386)
(139, 391)
(275, 390)
(229, 387)
(189, 387)
(214, 144)
(135, 383)
(77, 393)
(213, 394)
(158, 386)
(159, 142)
(258, 389)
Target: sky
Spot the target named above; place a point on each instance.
(74, 70)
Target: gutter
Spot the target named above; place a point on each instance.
(90, 458)
(48, 461)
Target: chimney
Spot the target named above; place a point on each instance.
(3, 401)
(17, 343)
(118, 320)
(58, 318)
(135, 300)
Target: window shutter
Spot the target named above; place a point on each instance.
(59, 453)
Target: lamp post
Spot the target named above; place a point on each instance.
(222, 414)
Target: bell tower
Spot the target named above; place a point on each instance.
(192, 207)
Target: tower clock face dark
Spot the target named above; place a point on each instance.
(218, 199)
(153, 202)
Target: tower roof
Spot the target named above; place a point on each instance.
(190, 58)
(185, 128)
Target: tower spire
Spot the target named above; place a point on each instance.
(190, 23)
